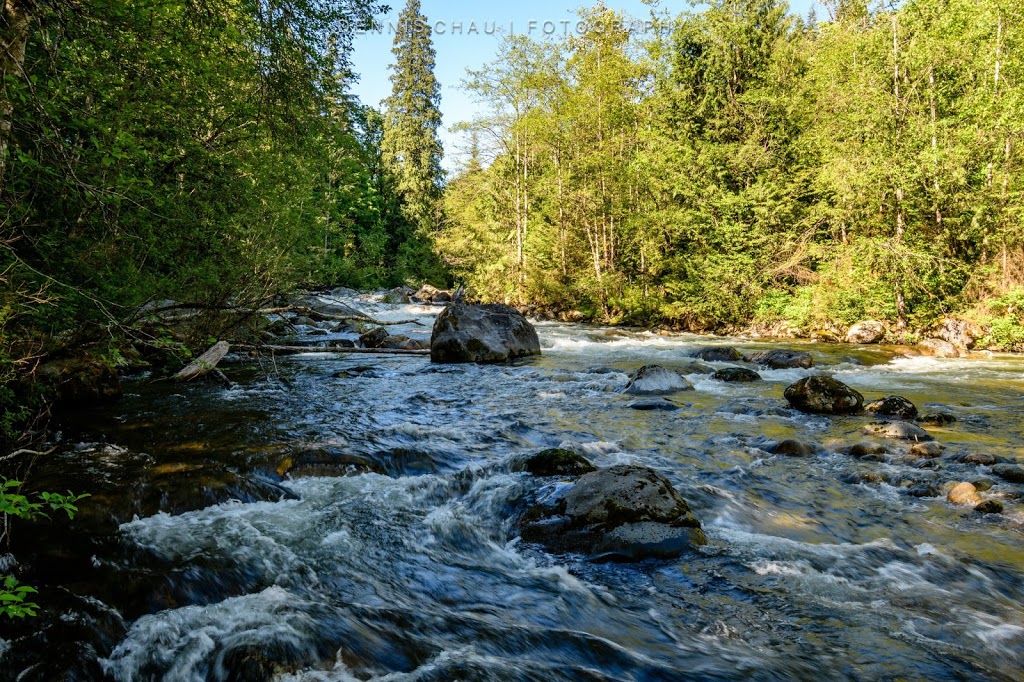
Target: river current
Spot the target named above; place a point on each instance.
(350, 517)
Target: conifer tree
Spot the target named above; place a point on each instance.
(410, 148)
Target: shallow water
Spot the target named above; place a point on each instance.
(413, 571)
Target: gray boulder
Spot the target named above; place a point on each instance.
(869, 331)
(718, 354)
(482, 333)
(782, 359)
(656, 380)
(824, 395)
(374, 337)
(555, 462)
(737, 374)
(624, 513)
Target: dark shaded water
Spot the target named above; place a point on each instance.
(223, 541)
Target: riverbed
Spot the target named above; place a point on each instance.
(336, 517)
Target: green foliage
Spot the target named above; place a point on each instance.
(13, 504)
(1006, 321)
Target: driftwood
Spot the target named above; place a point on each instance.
(295, 350)
(205, 363)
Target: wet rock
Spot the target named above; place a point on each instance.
(80, 380)
(782, 359)
(374, 337)
(923, 490)
(927, 450)
(718, 354)
(964, 494)
(656, 380)
(326, 462)
(937, 419)
(938, 348)
(901, 430)
(402, 342)
(793, 448)
(555, 462)
(989, 507)
(692, 367)
(892, 406)
(865, 449)
(398, 295)
(661, 405)
(866, 477)
(979, 458)
(625, 513)
(737, 374)
(824, 395)
(867, 332)
(429, 294)
(983, 484)
(1009, 472)
(483, 334)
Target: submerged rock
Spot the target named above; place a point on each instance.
(901, 430)
(989, 507)
(892, 406)
(824, 395)
(555, 462)
(782, 359)
(865, 449)
(625, 513)
(937, 419)
(792, 447)
(1009, 472)
(867, 332)
(736, 374)
(482, 333)
(979, 458)
(656, 380)
(657, 405)
(718, 354)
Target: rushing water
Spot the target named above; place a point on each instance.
(822, 566)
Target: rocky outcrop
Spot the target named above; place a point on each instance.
(892, 406)
(656, 380)
(736, 374)
(963, 334)
(625, 513)
(782, 359)
(824, 395)
(867, 332)
(482, 333)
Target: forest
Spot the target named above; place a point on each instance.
(738, 167)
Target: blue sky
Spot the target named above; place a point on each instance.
(466, 36)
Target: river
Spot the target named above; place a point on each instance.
(336, 518)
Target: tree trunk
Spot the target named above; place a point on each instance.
(17, 20)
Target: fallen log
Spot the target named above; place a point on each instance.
(205, 363)
(296, 350)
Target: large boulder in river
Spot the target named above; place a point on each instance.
(892, 406)
(938, 348)
(782, 359)
(963, 334)
(482, 333)
(824, 395)
(869, 331)
(555, 462)
(624, 513)
(656, 380)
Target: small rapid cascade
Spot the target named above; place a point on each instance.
(337, 518)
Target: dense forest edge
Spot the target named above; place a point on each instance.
(726, 169)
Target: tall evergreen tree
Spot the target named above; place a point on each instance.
(411, 148)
